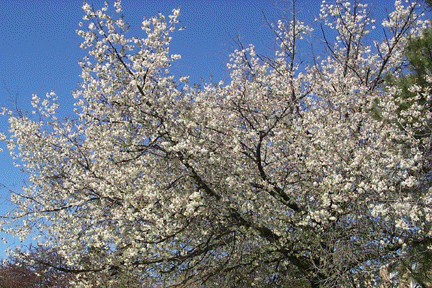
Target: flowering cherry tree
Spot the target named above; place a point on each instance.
(283, 174)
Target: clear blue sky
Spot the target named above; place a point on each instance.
(39, 48)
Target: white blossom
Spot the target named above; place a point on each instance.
(282, 167)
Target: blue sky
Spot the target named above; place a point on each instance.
(39, 48)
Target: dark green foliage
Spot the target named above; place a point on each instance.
(416, 262)
(419, 56)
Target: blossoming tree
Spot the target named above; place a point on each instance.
(283, 174)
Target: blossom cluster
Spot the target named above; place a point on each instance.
(284, 167)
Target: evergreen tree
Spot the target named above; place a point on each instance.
(414, 89)
(415, 85)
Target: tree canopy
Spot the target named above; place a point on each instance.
(282, 176)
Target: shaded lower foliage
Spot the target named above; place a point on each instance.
(35, 269)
